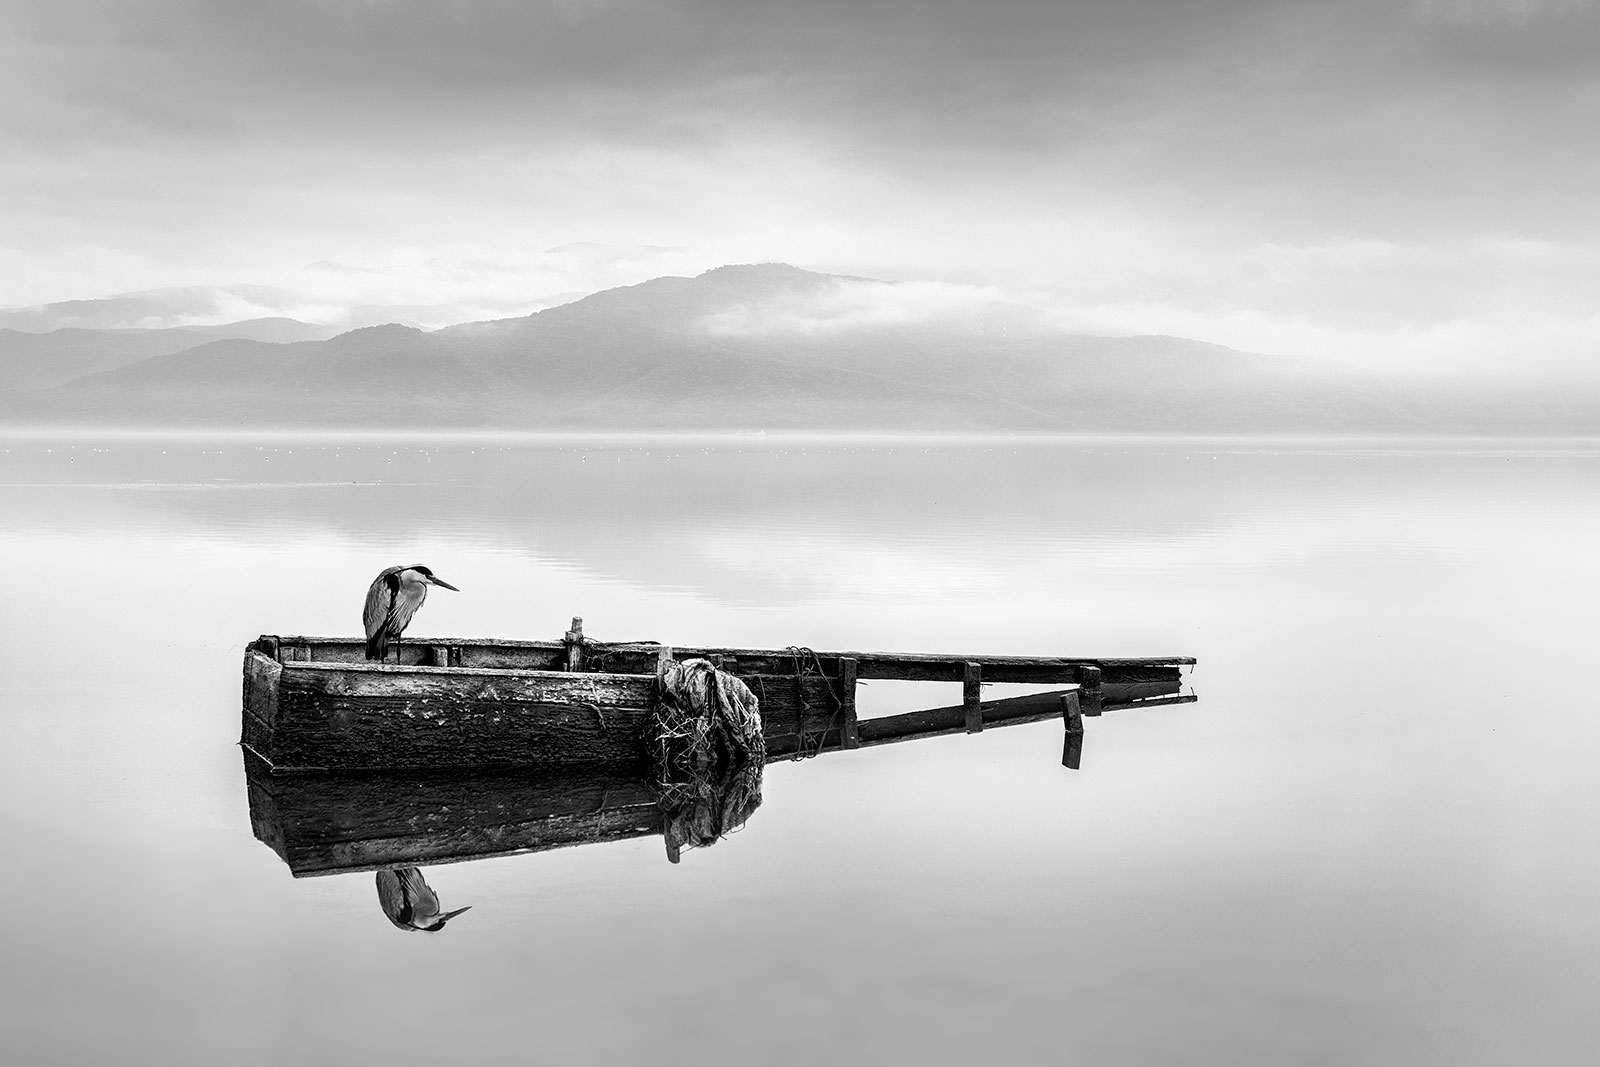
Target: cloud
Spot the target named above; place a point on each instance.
(856, 304)
(1316, 176)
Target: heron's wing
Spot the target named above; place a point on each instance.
(378, 612)
(380, 594)
(408, 598)
(392, 896)
(424, 901)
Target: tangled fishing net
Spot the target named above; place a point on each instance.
(704, 718)
(707, 752)
(703, 809)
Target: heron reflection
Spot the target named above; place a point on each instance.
(408, 901)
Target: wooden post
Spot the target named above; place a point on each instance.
(673, 852)
(1089, 681)
(849, 735)
(1071, 714)
(972, 696)
(663, 660)
(574, 642)
(439, 656)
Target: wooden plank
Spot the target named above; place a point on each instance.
(1115, 695)
(850, 735)
(639, 657)
(936, 722)
(1091, 684)
(972, 696)
(1157, 702)
(574, 643)
(1072, 717)
(798, 716)
(350, 716)
(261, 674)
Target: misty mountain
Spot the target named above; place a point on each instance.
(40, 360)
(153, 309)
(767, 347)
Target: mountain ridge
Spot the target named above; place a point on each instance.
(761, 346)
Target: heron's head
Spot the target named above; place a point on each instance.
(434, 923)
(426, 575)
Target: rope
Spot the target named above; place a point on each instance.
(804, 748)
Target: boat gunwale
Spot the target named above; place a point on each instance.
(331, 666)
(736, 653)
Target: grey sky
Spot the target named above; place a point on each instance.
(1411, 177)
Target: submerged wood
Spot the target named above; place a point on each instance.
(316, 704)
(337, 823)
(329, 824)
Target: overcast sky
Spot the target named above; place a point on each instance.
(1406, 179)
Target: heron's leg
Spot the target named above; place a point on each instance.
(397, 650)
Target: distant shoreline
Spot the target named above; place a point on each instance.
(1343, 441)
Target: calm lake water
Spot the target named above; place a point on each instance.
(1371, 840)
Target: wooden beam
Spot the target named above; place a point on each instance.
(1072, 716)
(936, 722)
(639, 657)
(850, 736)
(972, 696)
(573, 639)
(1090, 680)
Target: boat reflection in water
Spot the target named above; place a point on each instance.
(395, 823)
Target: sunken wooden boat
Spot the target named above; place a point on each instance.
(316, 704)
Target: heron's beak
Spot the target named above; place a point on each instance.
(447, 585)
(452, 914)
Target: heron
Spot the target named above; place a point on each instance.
(409, 903)
(395, 595)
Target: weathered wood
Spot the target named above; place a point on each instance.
(936, 722)
(972, 696)
(327, 824)
(1072, 717)
(1156, 702)
(348, 716)
(313, 703)
(574, 642)
(640, 658)
(1091, 685)
(1116, 696)
(849, 734)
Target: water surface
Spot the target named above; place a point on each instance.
(1369, 841)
